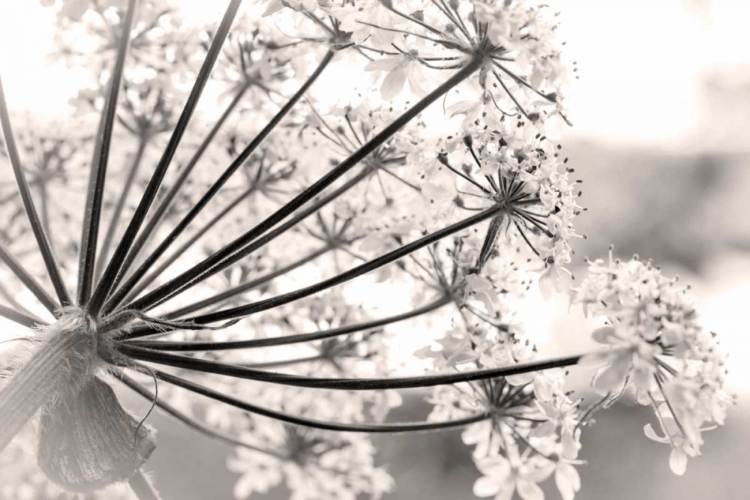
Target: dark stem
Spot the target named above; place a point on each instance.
(289, 339)
(273, 234)
(187, 420)
(28, 280)
(392, 256)
(216, 186)
(372, 428)
(217, 258)
(95, 194)
(28, 203)
(182, 249)
(250, 285)
(23, 318)
(109, 237)
(285, 362)
(167, 200)
(113, 268)
(345, 384)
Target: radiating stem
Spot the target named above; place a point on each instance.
(166, 201)
(345, 384)
(99, 163)
(216, 186)
(392, 256)
(273, 234)
(217, 258)
(28, 203)
(286, 339)
(187, 420)
(112, 229)
(250, 285)
(22, 317)
(28, 280)
(113, 268)
(145, 282)
(371, 428)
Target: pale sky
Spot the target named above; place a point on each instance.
(639, 61)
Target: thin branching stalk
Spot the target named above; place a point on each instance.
(288, 339)
(179, 252)
(166, 201)
(99, 163)
(370, 428)
(250, 285)
(342, 384)
(104, 286)
(109, 237)
(211, 262)
(216, 186)
(23, 318)
(187, 420)
(53, 271)
(392, 256)
(27, 279)
(275, 233)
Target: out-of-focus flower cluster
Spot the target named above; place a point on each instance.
(657, 348)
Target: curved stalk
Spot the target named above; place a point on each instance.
(189, 421)
(370, 428)
(344, 384)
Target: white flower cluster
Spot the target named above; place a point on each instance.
(312, 463)
(658, 348)
(533, 430)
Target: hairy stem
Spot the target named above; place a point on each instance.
(99, 163)
(112, 229)
(142, 487)
(53, 368)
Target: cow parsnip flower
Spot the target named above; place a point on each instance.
(657, 346)
(236, 261)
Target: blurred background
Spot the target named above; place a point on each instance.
(661, 140)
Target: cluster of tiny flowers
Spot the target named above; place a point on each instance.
(312, 463)
(658, 348)
(533, 427)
